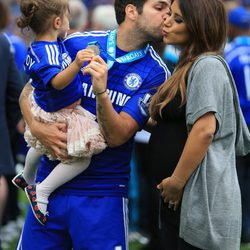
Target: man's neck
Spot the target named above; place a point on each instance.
(129, 40)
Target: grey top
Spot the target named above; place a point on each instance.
(211, 205)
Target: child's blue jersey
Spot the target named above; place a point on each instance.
(44, 61)
(130, 86)
(237, 54)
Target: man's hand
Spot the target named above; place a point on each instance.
(52, 136)
(98, 70)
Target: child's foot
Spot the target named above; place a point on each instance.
(19, 181)
(31, 194)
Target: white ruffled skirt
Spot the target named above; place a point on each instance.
(84, 137)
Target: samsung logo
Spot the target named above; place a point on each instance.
(116, 97)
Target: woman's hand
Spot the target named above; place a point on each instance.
(171, 191)
(52, 136)
(98, 69)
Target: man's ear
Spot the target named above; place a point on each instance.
(57, 22)
(131, 12)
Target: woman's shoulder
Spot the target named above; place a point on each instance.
(208, 71)
(209, 61)
(208, 65)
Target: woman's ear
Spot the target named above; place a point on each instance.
(131, 12)
(57, 22)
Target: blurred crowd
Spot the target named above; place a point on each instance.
(99, 15)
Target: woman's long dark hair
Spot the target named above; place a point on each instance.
(206, 21)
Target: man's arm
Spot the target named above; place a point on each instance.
(50, 135)
(116, 128)
(24, 104)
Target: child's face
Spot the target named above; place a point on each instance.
(64, 25)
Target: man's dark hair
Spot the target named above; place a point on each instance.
(120, 6)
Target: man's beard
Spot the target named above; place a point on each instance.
(155, 38)
(151, 36)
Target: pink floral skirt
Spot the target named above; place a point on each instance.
(84, 137)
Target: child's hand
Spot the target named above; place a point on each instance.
(82, 56)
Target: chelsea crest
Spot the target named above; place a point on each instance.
(132, 81)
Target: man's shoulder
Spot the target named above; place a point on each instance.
(155, 58)
(88, 35)
(80, 40)
(156, 64)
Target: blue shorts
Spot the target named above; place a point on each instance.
(81, 223)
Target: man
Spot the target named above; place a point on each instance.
(237, 55)
(90, 212)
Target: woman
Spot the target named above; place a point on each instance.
(193, 143)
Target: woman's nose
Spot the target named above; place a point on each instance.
(167, 21)
(164, 16)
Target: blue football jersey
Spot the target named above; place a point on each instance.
(44, 61)
(237, 54)
(130, 86)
